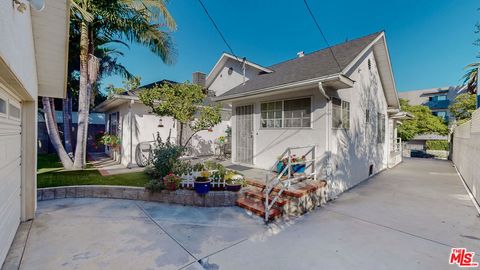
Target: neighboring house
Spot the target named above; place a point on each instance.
(33, 62)
(134, 123)
(348, 113)
(437, 99)
(96, 125)
(419, 142)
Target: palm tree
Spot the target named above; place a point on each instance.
(135, 21)
(470, 79)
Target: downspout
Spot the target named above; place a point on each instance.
(130, 112)
(329, 130)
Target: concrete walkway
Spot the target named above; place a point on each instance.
(406, 218)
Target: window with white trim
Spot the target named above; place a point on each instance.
(13, 111)
(380, 128)
(340, 113)
(286, 113)
(297, 112)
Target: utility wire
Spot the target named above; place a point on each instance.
(216, 27)
(321, 32)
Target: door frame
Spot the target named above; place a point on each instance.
(249, 160)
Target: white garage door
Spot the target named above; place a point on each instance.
(10, 170)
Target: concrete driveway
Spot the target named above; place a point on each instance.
(406, 218)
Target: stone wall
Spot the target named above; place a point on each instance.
(181, 196)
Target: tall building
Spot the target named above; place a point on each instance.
(437, 99)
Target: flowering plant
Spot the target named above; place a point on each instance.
(110, 140)
(171, 181)
(293, 158)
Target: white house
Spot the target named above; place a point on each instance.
(33, 62)
(134, 123)
(347, 111)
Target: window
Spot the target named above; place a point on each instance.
(271, 114)
(13, 111)
(286, 113)
(3, 106)
(442, 97)
(380, 128)
(367, 116)
(340, 113)
(113, 123)
(297, 112)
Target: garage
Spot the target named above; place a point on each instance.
(10, 168)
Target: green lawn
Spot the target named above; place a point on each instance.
(51, 174)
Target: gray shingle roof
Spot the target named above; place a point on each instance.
(313, 65)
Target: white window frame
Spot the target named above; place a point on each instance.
(17, 106)
(342, 101)
(283, 113)
(5, 99)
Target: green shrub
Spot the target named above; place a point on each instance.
(165, 157)
(437, 145)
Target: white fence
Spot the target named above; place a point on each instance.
(466, 152)
(189, 179)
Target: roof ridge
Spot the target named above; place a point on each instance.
(326, 48)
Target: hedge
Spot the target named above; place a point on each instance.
(437, 145)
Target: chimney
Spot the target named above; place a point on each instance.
(300, 54)
(199, 78)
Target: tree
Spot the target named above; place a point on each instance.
(463, 107)
(130, 20)
(131, 83)
(424, 122)
(183, 102)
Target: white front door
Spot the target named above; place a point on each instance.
(10, 169)
(244, 134)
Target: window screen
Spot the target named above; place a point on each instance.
(297, 112)
(381, 128)
(14, 111)
(271, 114)
(340, 113)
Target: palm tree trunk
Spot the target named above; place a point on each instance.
(83, 101)
(52, 130)
(67, 123)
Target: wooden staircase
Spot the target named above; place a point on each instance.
(253, 197)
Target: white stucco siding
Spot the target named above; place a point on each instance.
(355, 149)
(145, 128)
(226, 80)
(203, 143)
(17, 46)
(270, 143)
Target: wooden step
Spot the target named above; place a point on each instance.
(258, 208)
(297, 191)
(258, 194)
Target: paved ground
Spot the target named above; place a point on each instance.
(406, 218)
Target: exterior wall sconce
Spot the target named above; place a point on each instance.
(160, 122)
(37, 5)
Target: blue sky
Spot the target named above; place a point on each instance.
(429, 41)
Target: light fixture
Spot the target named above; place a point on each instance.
(38, 5)
(160, 122)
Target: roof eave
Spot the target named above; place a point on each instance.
(113, 102)
(335, 81)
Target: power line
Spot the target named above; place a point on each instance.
(321, 32)
(216, 27)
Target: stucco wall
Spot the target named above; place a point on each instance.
(465, 152)
(225, 81)
(354, 150)
(17, 47)
(146, 126)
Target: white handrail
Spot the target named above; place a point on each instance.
(271, 183)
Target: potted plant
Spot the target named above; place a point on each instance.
(111, 141)
(171, 181)
(298, 168)
(202, 183)
(234, 182)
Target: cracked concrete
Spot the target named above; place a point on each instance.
(406, 218)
